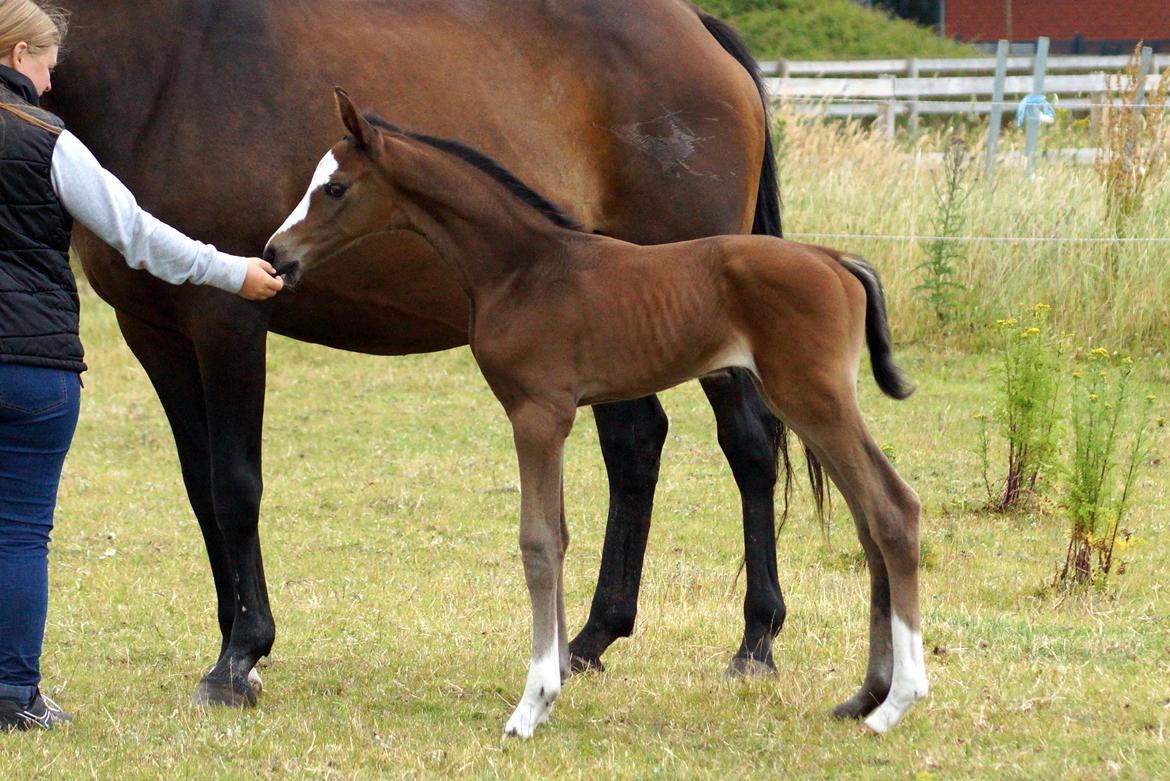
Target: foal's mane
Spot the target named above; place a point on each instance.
(479, 160)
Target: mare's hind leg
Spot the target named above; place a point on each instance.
(540, 440)
(885, 510)
(631, 434)
(170, 361)
(749, 436)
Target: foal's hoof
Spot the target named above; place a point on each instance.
(585, 664)
(747, 667)
(860, 705)
(232, 695)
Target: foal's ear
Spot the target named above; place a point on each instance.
(364, 134)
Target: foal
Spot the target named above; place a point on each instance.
(561, 318)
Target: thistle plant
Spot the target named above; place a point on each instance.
(1027, 411)
(1104, 465)
(951, 192)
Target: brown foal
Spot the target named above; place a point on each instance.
(562, 319)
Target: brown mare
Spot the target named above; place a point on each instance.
(640, 113)
(561, 318)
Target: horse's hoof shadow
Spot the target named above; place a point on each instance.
(236, 694)
(585, 664)
(747, 667)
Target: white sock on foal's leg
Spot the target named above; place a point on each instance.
(544, 684)
(909, 683)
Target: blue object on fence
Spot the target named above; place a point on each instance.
(1036, 105)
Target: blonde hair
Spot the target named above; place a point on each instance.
(40, 25)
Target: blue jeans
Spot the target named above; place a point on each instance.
(38, 414)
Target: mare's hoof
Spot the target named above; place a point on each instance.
(747, 667)
(585, 664)
(232, 696)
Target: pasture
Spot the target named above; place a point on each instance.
(389, 525)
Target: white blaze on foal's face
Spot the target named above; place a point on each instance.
(325, 169)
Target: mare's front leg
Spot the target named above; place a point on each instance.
(540, 440)
(173, 368)
(231, 346)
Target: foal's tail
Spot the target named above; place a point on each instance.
(877, 329)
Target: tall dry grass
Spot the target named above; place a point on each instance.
(843, 177)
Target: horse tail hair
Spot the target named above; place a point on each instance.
(766, 222)
(767, 217)
(886, 373)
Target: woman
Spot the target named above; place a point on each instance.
(47, 179)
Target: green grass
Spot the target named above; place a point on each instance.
(390, 543)
(829, 29)
(845, 178)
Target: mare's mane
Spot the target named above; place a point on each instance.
(479, 160)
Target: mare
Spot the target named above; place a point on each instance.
(561, 318)
(642, 113)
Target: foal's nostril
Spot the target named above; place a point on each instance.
(270, 254)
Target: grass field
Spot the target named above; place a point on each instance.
(390, 531)
(403, 627)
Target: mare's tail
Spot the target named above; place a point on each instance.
(767, 217)
(877, 329)
(766, 222)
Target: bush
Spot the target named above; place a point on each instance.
(1096, 495)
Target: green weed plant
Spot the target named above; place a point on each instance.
(939, 289)
(1134, 146)
(1110, 439)
(1027, 410)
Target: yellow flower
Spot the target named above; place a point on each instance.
(1077, 374)
(1127, 360)
(1100, 352)
(1033, 330)
(1038, 308)
(1093, 397)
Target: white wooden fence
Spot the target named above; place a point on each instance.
(892, 88)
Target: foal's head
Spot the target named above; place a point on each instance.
(349, 198)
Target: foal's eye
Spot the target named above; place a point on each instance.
(334, 189)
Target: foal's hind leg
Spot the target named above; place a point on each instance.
(885, 510)
(540, 440)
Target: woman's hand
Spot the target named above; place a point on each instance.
(261, 282)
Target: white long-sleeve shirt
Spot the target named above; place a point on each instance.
(101, 203)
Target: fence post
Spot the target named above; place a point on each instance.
(1146, 63)
(1032, 118)
(1098, 109)
(1001, 58)
(888, 109)
(912, 72)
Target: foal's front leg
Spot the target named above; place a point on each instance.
(540, 439)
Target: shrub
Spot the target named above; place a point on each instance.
(1026, 412)
(1103, 468)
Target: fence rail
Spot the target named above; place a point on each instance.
(914, 65)
(887, 89)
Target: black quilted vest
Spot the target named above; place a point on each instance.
(38, 294)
